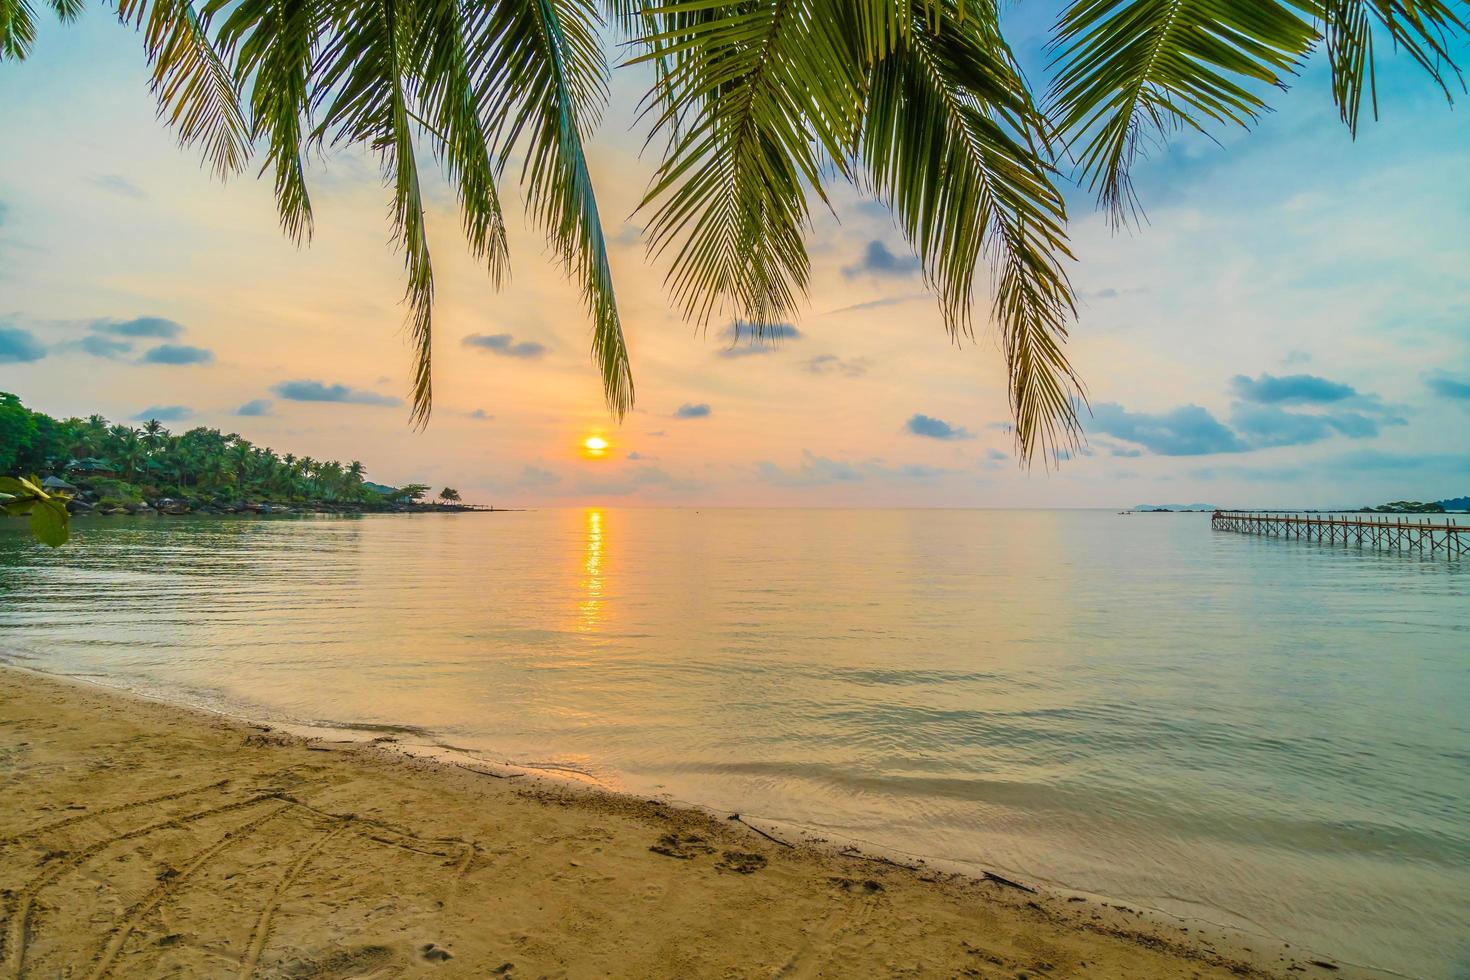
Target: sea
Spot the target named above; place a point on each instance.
(1270, 735)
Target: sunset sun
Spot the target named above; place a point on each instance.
(594, 447)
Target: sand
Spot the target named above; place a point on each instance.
(139, 839)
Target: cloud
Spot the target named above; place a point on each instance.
(1446, 386)
(1293, 389)
(659, 434)
(1296, 358)
(178, 354)
(758, 340)
(1185, 431)
(1258, 422)
(876, 304)
(479, 415)
(1110, 292)
(505, 345)
(1267, 426)
(164, 413)
(536, 477)
(627, 235)
(877, 260)
(814, 471)
(317, 391)
(639, 478)
(106, 347)
(635, 455)
(932, 428)
(119, 185)
(832, 364)
(818, 471)
(1373, 460)
(994, 460)
(259, 406)
(19, 346)
(689, 411)
(141, 326)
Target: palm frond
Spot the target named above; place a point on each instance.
(1422, 28)
(541, 80)
(17, 29)
(273, 44)
(449, 104)
(363, 89)
(196, 92)
(765, 93)
(951, 142)
(1129, 70)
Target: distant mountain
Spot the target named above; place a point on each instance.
(1172, 507)
(1456, 503)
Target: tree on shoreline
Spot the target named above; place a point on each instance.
(125, 465)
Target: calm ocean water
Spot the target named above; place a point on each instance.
(1268, 734)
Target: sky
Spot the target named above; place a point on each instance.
(1290, 326)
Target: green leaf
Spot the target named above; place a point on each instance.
(950, 142)
(195, 91)
(50, 523)
(1131, 71)
(17, 29)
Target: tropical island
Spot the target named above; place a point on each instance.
(94, 466)
(1419, 506)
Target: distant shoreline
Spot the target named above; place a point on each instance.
(286, 510)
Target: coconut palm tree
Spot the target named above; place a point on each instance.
(760, 106)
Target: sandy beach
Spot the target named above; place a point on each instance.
(142, 839)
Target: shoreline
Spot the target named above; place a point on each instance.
(799, 896)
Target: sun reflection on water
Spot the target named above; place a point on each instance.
(590, 607)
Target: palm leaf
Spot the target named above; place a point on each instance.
(274, 45)
(1422, 28)
(950, 142)
(364, 91)
(196, 92)
(1131, 70)
(541, 78)
(757, 97)
(450, 107)
(17, 29)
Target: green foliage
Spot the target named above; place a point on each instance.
(123, 466)
(20, 496)
(118, 492)
(411, 491)
(1407, 507)
(760, 105)
(1132, 71)
(17, 431)
(449, 495)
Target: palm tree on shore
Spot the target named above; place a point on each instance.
(760, 105)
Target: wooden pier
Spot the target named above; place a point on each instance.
(1389, 532)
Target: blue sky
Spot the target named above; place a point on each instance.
(1290, 326)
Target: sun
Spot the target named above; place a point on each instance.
(595, 447)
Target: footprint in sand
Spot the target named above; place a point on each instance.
(681, 846)
(741, 863)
